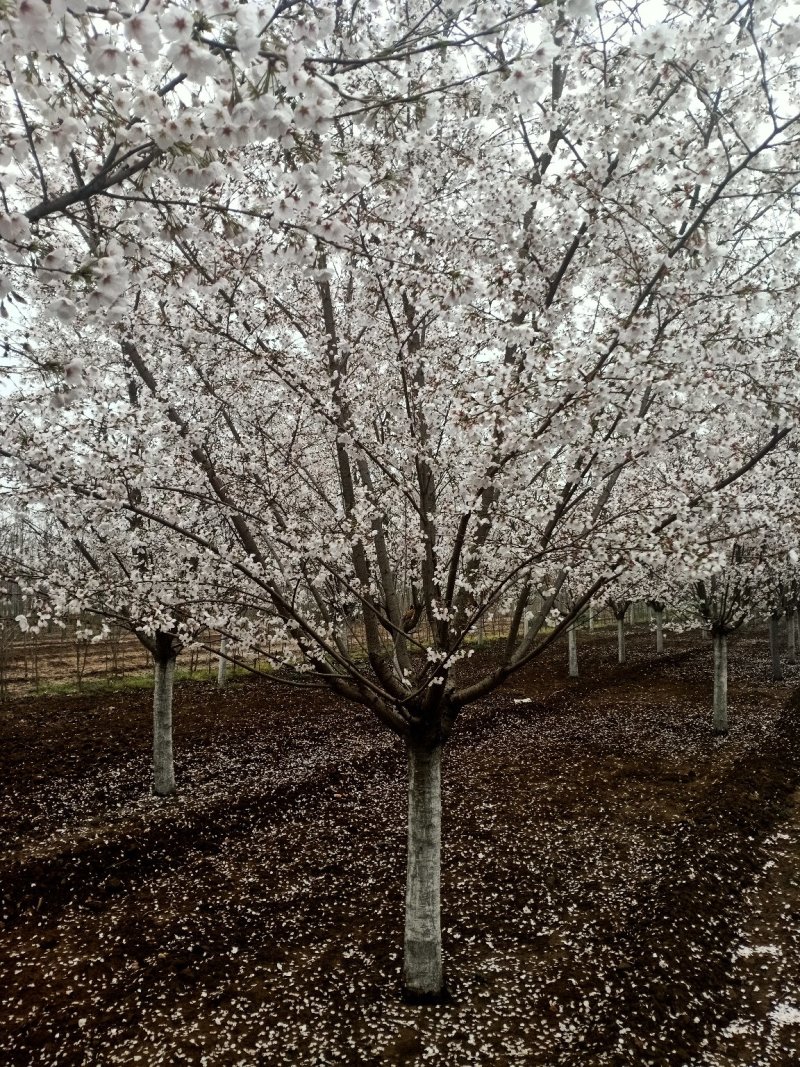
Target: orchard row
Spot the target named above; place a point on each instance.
(398, 313)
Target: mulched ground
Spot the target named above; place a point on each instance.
(619, 886)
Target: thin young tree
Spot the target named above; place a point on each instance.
(423, 367)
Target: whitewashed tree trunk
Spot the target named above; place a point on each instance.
(422, 950)
(720, 715)
(791, 638)
(222, 663)
(621, 640)
(659, 631)
(572, 642)
(775, 648)
(163, 768)
(591, 615)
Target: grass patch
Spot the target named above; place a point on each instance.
(93, 686)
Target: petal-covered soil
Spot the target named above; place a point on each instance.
(619, 885)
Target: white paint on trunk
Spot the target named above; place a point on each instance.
(775, 648)
(398, 670)
(659, 631)
(163, 768)
(222, 664)
(591, 615)
(422, 950)
(720, 716)
(573, 650)
(621, 640)
(791, 638)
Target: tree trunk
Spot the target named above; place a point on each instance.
(775, 648)
(621, 640)
(573, 650)
(659, 631)
(163, 768)
(791, 642)
(720, 716)
(222, 665)
(422, 972)
(591, 615)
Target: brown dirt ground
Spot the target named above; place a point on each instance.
(619, 886)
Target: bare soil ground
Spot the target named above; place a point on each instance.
(619, 886)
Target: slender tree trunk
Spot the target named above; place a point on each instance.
(796, 620)
(163, 768)
(422, 970)
(222, 665)
(572, 641)
(660, 631)
(775, 648)
(791, 642)
(720, 716)
(591, 615)
(621, 640)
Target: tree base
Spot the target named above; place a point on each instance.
(164, 796)
(444, 996)
(720, 733)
